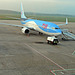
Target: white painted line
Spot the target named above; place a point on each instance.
(44, 56)
(61, 72)
(6, 55)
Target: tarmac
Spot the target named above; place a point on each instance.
(31, 55)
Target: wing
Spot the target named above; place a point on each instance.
(18, 26)
(12, 25)
(65, 23)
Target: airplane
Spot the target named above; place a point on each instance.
(44, 27)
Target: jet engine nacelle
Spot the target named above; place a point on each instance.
(25, 30)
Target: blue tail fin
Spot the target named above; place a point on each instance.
(22, 13)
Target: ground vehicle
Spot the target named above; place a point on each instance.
(53, 40)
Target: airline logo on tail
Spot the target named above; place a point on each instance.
(22, 12)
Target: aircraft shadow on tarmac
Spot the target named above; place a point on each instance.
(40, 42)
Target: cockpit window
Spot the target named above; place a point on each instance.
(55, 28)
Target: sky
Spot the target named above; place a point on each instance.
(40, 6)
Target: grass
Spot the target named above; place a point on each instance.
(39, 17)
(54, 18)
(8, 17)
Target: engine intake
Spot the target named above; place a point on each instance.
(25, 30)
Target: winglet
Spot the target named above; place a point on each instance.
(22, 13)
(66, 21)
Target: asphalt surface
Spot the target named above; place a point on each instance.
(31, 55)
